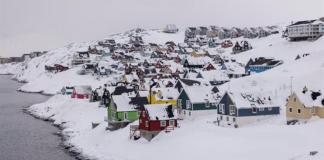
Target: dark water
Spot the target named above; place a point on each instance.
(23, 137)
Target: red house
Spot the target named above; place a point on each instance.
(157, 117)
(209, 67)
(81, 92)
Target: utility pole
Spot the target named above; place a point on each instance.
(291, 85)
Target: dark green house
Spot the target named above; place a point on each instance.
(197, 100)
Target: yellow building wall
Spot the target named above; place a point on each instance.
(319, 111)
(295, 104)
(155, 101)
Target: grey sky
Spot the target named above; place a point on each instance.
(28, 25)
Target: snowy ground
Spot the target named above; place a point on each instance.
(195, 139)
(267, 140)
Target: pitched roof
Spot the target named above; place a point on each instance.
(159, 111)
(311, 98)
(122, 103)
(201, 94)
(249, 100)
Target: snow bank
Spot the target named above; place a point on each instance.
(199, 139)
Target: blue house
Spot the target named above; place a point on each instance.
(261, 64)
(239, 109)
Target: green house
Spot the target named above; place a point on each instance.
(121, 112)
(197, 100)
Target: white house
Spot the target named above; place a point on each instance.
(303, 30)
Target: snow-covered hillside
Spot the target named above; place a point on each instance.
(200, 138)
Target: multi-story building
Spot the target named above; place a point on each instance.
(303, 30)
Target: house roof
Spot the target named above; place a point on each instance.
(123, 103)
(214, 75)
(83, 89)
(201, 94)
(159, 111)
(303, 22)
(166, 93)
(307, 98)
(189, 82)
(249, 100)
(265, 61)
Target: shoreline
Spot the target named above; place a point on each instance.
(68, 148)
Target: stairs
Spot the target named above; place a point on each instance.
(169, 129)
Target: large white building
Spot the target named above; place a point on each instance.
(303, 30)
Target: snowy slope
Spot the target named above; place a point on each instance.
(201, 138)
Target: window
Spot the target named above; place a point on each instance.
(179, 103)
(299, 110)
(261, 109)
(295, 99)
(269, 108)
(232, 109)
(125, 116)
(221, 117)
(290, 109)
(254, 110)
(207, 104)
(221, 108)
(188, 104)
(146, 123)
(234, 119)
(171, 122)
(227, 118)
(163, 123)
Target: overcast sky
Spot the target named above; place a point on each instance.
(29, 25)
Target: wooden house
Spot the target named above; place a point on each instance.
(261, 64)
(241, 47)
(181, 83)
(303, 105)
(81, 92)
(197, 100)
(213, 77)
(196, 62)
(249, 33)
(163, 96)
(239, 109)
(170, 28)
(121, 111)
(155, 118)
(226, 44)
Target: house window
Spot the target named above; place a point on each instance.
(232, 109)
(221, 117)
(299, 110)
(295, 99)
(207, 104)
(179, 103)
(125, 116)
(221, 108)
(227, 118)
(188, 104)
(290, 109)
(234, 119)
(146, 123)
(261, 109)
(163, 123)
(254, 110)
(269, 108)
(171, 122)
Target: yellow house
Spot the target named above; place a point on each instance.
(302, 106)
(163, 96)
